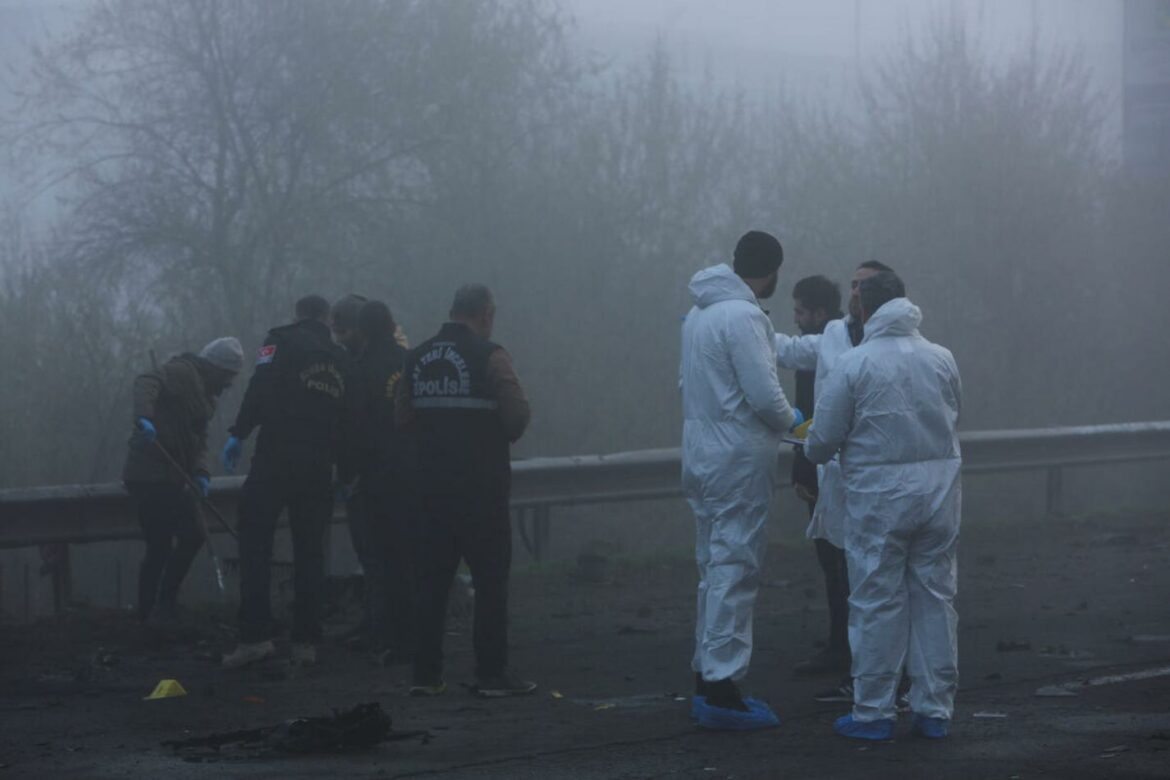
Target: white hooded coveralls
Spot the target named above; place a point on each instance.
(890, 407)
(820, 352)
(734, 415)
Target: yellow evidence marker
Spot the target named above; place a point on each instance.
(166, 689)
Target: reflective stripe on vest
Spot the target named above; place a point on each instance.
(455, 403)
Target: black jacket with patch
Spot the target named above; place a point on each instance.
(297, 396)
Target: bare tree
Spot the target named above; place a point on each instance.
(981, 182)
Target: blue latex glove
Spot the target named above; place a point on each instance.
(231, 454)
(146, 428)
(204, 483)
(799, 419)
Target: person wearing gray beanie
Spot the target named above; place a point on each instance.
(173, 406)
(225, 353)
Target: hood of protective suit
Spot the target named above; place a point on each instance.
(898, 317)
(717, 284)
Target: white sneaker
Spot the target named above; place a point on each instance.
(303, 654)
(248, 653)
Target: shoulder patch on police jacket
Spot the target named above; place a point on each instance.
(266, 354)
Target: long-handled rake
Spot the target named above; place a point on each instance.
(205, 502)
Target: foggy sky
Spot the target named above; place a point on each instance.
(806, 48)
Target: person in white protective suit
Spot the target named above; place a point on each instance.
(890, 408)
(820, 352)
(734, 416)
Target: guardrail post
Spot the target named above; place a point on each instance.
(62, 580)
(540, 530)
(518, 516)
(1054, 501)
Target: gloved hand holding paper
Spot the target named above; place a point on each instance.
(799, 434)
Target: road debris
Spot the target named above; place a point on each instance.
(1070, 688)
(1053, 692)
(637, 701)
(360, 728)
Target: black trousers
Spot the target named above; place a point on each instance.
(357, 518)
(832, 560)
(173, 536)
(308, 496)
(452, 528)
(380, 529)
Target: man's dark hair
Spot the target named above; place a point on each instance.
(376, 322)
(757, 254)
(877, 290)
(471, 301)
(818, 292)
(311, 307)
(346, 309)
(876, 265)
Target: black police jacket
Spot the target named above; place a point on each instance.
(374, 449)
(297, 396)
(462, 448)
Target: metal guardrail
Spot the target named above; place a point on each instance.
(73, 514)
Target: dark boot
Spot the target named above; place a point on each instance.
(725, 695)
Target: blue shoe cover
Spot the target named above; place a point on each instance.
(876, 730)
(931, 728)
(758, 716)
(696, 699)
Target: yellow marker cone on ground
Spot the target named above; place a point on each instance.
(166, 689)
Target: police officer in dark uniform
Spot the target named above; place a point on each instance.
(461, 401)
(343, 321)
(816, 301)
(377, 465)
(296, 397)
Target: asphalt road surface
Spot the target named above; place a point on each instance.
(1085, 604)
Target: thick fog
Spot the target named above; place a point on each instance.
(178, 171)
